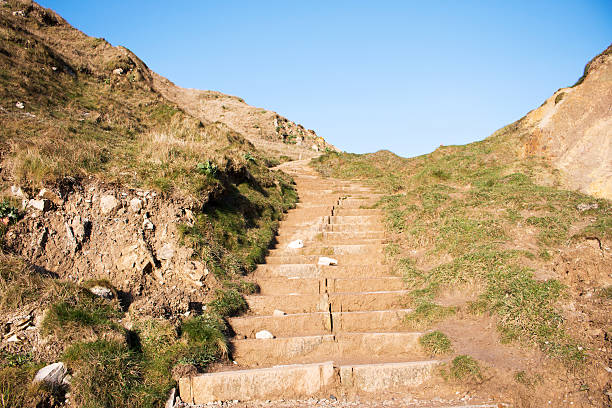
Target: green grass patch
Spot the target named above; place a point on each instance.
(465, 368)
(466, 207)
(427, 313)
(436, 343)
(228, 303)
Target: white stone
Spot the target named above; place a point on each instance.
(171, 398)
(298, 243)
(323, 260)
(136, 204)
(148, 225)
(101, 291)
(108, 203)
(17, 192)
(53, 374)
(20, 105)
(40, 205)
(118, 71)
(264, 334)
(166, 252)
(279, 313)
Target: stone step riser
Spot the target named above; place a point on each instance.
(352, 227)
(304, 380)
(353, 223)
(335, 302)
(321, 240)
(310, 349)
(340, 211)
(310, 324)
(328, 250)
(366, 259)
(281, 286)
(288, 235)
(305, 213)
(315, 271)
(355, 219)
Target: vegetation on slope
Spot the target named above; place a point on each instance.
(477, 216)
(75, 108)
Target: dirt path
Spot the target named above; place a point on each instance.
(335, 333)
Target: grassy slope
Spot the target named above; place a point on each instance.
(82, 121)
(460, 218)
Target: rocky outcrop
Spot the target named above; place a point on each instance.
(128, 237)
(573, 129)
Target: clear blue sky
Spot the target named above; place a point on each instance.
(367, 75)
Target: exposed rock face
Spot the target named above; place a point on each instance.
(95, 233)
(573, 128)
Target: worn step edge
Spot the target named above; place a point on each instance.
(305, 349)
(315, 323)
(298, 380)
(285, 285)
(259, 383)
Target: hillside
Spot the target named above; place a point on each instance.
(505, 263)
(573, 129)
(141, 242)
(126, 218)
(267, 130)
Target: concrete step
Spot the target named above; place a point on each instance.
(388, 377)
(335, 302)
(328, 249)
(305, 206)
(309, 324)
(305, 221)
(317, 271)
(356, 219)
(366, 259)
(310, 212)
(321, 240)
(283, 285)
(302, 380)
(342, 211)
(352, 227)
(354, 235)
(342, 346)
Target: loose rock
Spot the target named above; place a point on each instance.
(53, 374)
(264, 334)
(298, 243)
(166, 252)
(40, 205)
(323, 260)
(108, 203)
(102, 292)
(136, 204)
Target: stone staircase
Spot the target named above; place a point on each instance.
(336, 328)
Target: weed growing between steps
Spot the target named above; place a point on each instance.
(436, 342)
(465, 369)
(476, 216)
